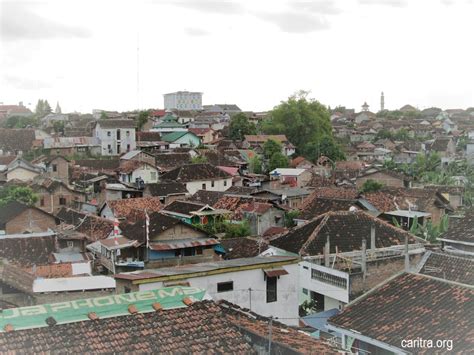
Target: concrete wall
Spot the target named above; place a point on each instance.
(21, 174)
(178, 232)
(219, 185)
(125, 139)
(50, 201)
(286, 305)
(385, 179)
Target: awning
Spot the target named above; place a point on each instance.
(275, 272)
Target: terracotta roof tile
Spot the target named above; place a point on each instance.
(413, 306)
(346, 231)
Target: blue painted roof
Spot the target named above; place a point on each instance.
(319, 320)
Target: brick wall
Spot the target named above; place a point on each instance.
(378, 272)
(30, 220)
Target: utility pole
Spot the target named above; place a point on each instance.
(250, 298)
(270, 336)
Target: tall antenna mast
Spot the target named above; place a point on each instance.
(138, 71)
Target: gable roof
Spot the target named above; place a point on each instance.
(148, 136)
(183, 207)
(28, 248)
(13, 140)
(461, 229)
(94, 227)
(133, 209)
(448, 267)
(159, 222)
(207, 197)
(129, 166)
(174, 136)
(166, 188)
(242, 247)
(346, 231)
(116, 123)
(196, 172)
(12, 209)
(394, 198)
(138, 329)
(413, 306)
(168, 161)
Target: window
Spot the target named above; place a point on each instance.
(55, 167)
(225, 182)
(204, 186)
(305, 291)
(70, 244)
(62, 201)
(109, 134)
(126, 289)
(127, 133)
(42, 202)
(198, 250)
(153, 175)
(225, 286)
(212, 183)
(128, 147)
(271, 289)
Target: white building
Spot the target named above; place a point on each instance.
(200, 177)
(266, 285)
(116, 136)
(183, 100)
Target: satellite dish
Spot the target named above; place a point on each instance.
(352, 209)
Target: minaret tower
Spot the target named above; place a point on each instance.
(382, 102)
(365, 107)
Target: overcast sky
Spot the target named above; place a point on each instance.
(251, 53)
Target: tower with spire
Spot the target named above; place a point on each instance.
(58, 108)
(382, 102)
(365, 107)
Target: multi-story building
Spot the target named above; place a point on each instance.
(183, 100)
(116, 136)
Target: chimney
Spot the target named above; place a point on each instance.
(372, 236)
(327, 251)
(364, 258)
(407, 257)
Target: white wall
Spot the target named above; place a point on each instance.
(320, 287)
(219, 185)
(21, 174)
(286, 305)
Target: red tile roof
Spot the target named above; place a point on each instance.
(199, 328)
(133, 209)
(413, 306)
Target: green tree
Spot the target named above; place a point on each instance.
(142, 119)
(199, 159)
(255, 165)
(103, 115)
(302, 120)
(39, 110)
(239, 126)
(234, 230)
(325, 146)
(278, 160)
(370, 186)
(271, 147)
(290, 218)
(18, 193)
(47, 108)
